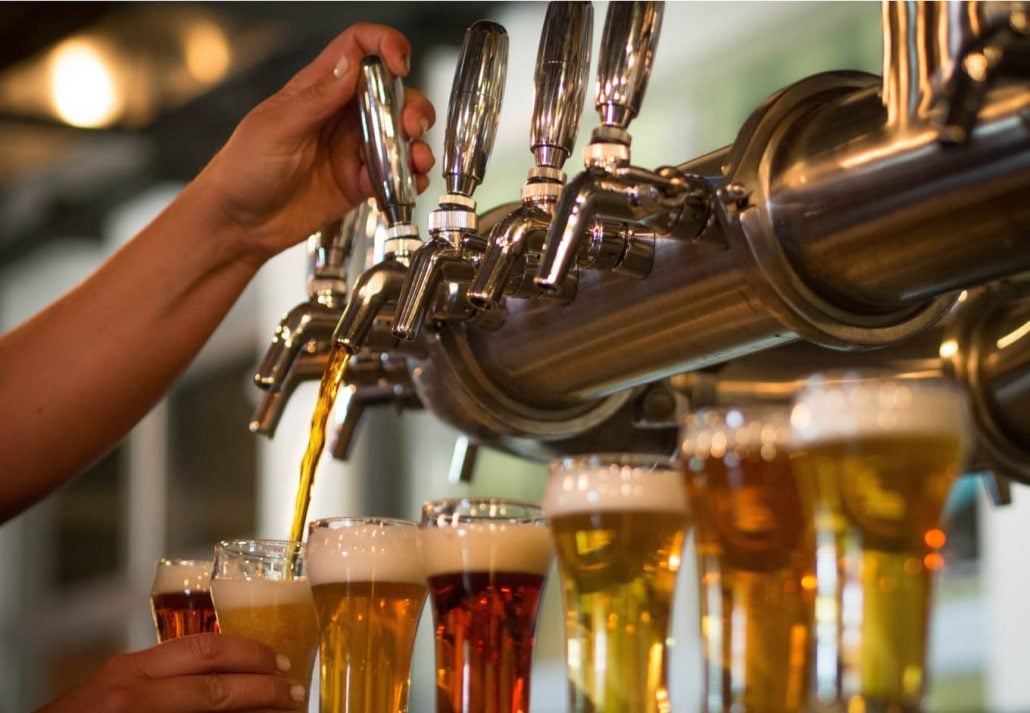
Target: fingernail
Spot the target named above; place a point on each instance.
(424, 123)
(341, 67)
(282, 663)
(297, 693)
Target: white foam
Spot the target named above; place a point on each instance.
(496, 546)
(365, 553)
(595, 488)
(182, 576)
(239, 593)
(833, 411)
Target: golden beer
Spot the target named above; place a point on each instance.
(369, 591)
(755, 557)
(877, 460)
(486, 561)
(619, 523)
(180, 599)
(260, 591)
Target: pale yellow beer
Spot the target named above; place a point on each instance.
(619, 523)
(876, 459)
(369, 591)
(755, 559)
(260, 591)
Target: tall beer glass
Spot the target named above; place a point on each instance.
(486, 560)
(261, 591)
(369, 591)
(877, 457)
(180, 598)
(619, 522)
(755, 557)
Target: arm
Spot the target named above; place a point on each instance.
(77, 376)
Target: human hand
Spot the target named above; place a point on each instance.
(295, 161)
(192, 674)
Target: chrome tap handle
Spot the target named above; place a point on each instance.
(560, 80)
(475, 106)
(386, 149)
(624, 66)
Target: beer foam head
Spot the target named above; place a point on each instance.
(602, 483)
(182, 576)
(363, 550)
(847, 406)
(485, 546)
(241, 593)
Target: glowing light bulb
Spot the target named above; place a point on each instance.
(82, 86)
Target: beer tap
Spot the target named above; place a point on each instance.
(455, 246)
(302, 340)
(386, 155)
(513, 248)
(664, 202)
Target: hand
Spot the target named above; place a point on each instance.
(294, 162)
(204, 672)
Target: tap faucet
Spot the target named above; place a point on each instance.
(665, 201)
(303, 338)
(455, 245)
(515, 242)
(386, 157)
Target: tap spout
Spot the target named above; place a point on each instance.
(307, 327)
(510, 239)
(376, 288)
(436, 260)
(269, 410)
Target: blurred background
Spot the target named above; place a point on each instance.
(108, 109)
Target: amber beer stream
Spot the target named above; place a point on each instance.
(261, 591)
(369, 591)
(486, 561)
(877, 457)
(332, 378)
(619, 522)
(755, 559)
(180, 598)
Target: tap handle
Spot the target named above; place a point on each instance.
(475, 106)
(562, 68)
(624, 66)
(386, 150)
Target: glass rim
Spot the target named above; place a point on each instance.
(652, 461)
(183, 562)
(342, 521)
(269, 548)
(445, 507)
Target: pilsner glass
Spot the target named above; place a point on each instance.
(486, 561)
(619, 522)
(369, 591)
(261, 591)
(755, 559)
(876, 458)
(180, 598)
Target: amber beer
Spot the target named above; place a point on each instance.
(486, 561)
(755, 559)
(180, 598)
(261, 591)
(369, 591)
(619, 522)
(877, 458)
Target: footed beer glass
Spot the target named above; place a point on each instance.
(876, 457)
(369, 591)
(755, 559)
(619, 522)
(486, 560)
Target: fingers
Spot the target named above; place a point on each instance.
(418, 115)
(351, 45)
(222, 692)
(204, 653)
(422, 159)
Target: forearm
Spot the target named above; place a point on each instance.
(77, 376)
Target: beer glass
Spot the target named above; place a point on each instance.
(618, 522)
(877, 457)
(261, 591)
(369, 591)
(486, 561)
(755, 559)
(180, 598)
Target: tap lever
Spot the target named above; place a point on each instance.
(624, 66)
(386, 151)
(562, 69)
(475, 106)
